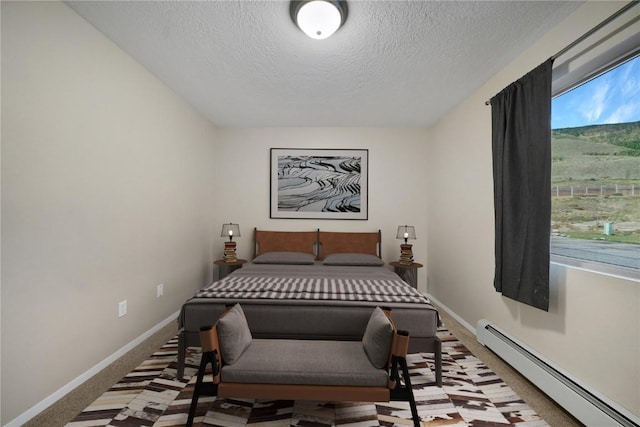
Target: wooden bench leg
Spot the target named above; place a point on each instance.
(182, 354)
(438, 360)
(407, 384)
(200, 388)
(403, 392)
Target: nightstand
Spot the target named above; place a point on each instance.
(407, 272)
(226, 268)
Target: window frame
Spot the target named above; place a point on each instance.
(600, 50)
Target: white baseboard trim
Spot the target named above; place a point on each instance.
(580, 399)
(57, 395)
(452, 314)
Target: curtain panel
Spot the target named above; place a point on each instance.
(521, 142)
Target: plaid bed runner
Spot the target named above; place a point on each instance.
(312, 288)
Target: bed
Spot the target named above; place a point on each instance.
(313, 285)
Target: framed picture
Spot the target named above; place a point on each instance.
(319, 183)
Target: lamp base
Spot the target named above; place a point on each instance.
(406, 255)
(230, 252)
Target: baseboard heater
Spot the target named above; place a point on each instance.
(585, 405)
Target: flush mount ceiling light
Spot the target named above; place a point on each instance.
(318, 18)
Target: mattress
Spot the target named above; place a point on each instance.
(325, 302)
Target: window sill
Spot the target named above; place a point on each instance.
(597, 267)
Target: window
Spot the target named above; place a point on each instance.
(596, 170)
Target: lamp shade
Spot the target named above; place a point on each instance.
(230, 230)
(318, 19)
(406, 232)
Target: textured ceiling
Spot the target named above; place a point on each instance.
(394, 63)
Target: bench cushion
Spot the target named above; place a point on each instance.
(309, 362)
(234, 334)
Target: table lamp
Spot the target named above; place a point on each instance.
(406, 232)
(230, 230)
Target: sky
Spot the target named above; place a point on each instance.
(613, 97)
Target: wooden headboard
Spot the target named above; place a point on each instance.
(331, 242)
(318, 243)
(279, 241)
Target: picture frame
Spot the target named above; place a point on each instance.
(319, 183)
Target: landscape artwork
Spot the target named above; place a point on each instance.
(319, 183)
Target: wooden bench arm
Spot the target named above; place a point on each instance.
(211, 347)
(400, 343)
(398, 351)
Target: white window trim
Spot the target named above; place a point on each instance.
(601, 50)
(597, 267)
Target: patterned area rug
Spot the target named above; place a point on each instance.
(471, 395)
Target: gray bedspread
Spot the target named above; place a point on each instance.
(315, 283)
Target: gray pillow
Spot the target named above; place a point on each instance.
(284, 258)
(377, 338)
(233, 334)
(352, 259)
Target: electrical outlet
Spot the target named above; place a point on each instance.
(122, 308)
(159, 290)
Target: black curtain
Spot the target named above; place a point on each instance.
(521, 127)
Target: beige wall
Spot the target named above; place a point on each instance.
(592, 329)
(106, 192)
(397, 178)
(111, 185)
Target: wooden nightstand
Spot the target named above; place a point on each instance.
(226, 268)
(407, 272)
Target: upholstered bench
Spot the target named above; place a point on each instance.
(371, 370)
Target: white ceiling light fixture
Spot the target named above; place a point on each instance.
(319, 19)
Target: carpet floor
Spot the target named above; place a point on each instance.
(472, 395)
